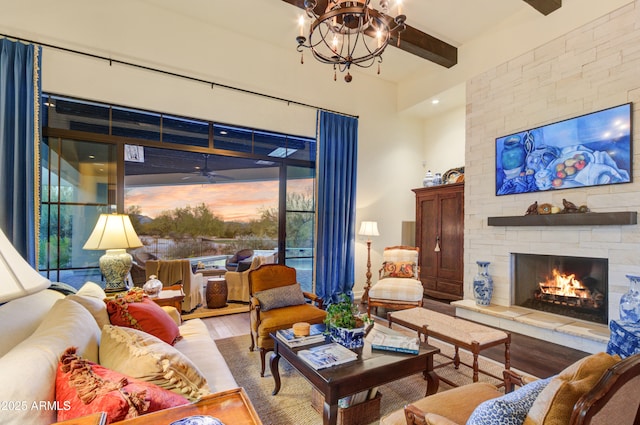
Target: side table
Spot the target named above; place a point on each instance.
(170, 296)
(231, 407)
(217, 292)
(624, 339)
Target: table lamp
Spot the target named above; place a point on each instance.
(368, 228)
(19, 279)
(115, 233)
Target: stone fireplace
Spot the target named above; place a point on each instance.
(574, 287)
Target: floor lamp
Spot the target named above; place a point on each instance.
(368, 228)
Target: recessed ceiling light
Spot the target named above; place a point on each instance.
(435, 101)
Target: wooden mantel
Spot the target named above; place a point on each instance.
(574, 219)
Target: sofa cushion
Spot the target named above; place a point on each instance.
(283, 296)
(83, 387)
(198, 346)
(31, 366)
(22, 316)
(143, 356)
(143, 314)
(555, 403)
(509, 409)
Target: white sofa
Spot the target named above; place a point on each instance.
(37, 329)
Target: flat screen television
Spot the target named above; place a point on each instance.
(589, 150)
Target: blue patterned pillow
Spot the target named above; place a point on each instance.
(510, 409)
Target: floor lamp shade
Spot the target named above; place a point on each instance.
(369, 228)
(114, 233)
(19, 279)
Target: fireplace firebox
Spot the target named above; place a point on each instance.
(570, 286)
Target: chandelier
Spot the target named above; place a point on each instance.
(349, 33)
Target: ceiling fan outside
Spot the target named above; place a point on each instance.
(205, 171)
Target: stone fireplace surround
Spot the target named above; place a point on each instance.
(587, 69)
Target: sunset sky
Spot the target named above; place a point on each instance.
(230, 201)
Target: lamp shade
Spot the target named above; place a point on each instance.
(369, 228)
(19, 279)
(113, 231)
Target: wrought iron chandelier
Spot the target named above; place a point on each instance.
(349, 33)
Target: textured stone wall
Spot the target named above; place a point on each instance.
(591, 68)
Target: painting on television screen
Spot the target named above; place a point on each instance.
(589, 150)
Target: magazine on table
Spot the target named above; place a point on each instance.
(382, 338)
(316, 334)
(327, 355)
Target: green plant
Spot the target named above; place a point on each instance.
(344, 314)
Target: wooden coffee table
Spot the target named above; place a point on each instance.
(372, 368)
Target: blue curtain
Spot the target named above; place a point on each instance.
(335, 247)
(19, 142)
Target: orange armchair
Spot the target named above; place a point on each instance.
(277, 302)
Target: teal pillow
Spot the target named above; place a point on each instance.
(511, 408)
(284, 296)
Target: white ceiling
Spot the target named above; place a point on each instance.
(456, 22)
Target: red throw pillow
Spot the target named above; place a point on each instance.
(83, 388)
(144, 315)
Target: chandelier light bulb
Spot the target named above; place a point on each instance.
(399, 5)
(301, 24)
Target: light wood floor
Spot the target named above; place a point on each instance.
(534, 356)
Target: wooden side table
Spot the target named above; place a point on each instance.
(217, 292)
(170, 296)
(99, 418)
(231, 407)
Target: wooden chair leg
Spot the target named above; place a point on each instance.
(263, 354)
(253, 343)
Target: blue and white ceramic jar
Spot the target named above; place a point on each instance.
(483, 284)
(630, 302)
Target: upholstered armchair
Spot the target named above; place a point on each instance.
(398, 286)
(233, 263)
(238, 282)
(598, 389)
(170, 272)
(277, 302)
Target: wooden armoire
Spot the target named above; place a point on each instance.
(440, 237)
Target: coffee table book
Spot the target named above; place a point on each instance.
(316, 334)
(382, 338)
(327, 355)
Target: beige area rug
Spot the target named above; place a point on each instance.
(292, 405)
(203, 312)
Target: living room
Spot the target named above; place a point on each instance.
(528, 71)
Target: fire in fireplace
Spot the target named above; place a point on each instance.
(570, 286)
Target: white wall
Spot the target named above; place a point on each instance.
(444, 136)
(390, 146)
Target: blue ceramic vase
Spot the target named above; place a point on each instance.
(350, 338)
(483, 284)
(630, 302)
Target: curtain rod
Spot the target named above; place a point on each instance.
(174, 74)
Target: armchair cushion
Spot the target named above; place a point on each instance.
(555, 403)
(511, 408)
(402, 269)
(283, 296)
(397, 289)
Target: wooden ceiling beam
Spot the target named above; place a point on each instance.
(412, 40)
(545, 6)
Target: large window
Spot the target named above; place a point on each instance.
(194, 189)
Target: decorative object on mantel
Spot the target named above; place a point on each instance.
(483, 284)
(546, 208)
(349, 33)
(630, 301)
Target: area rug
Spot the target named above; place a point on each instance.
(203, 312)
(292, 405)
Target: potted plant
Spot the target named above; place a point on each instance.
(345, 324)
